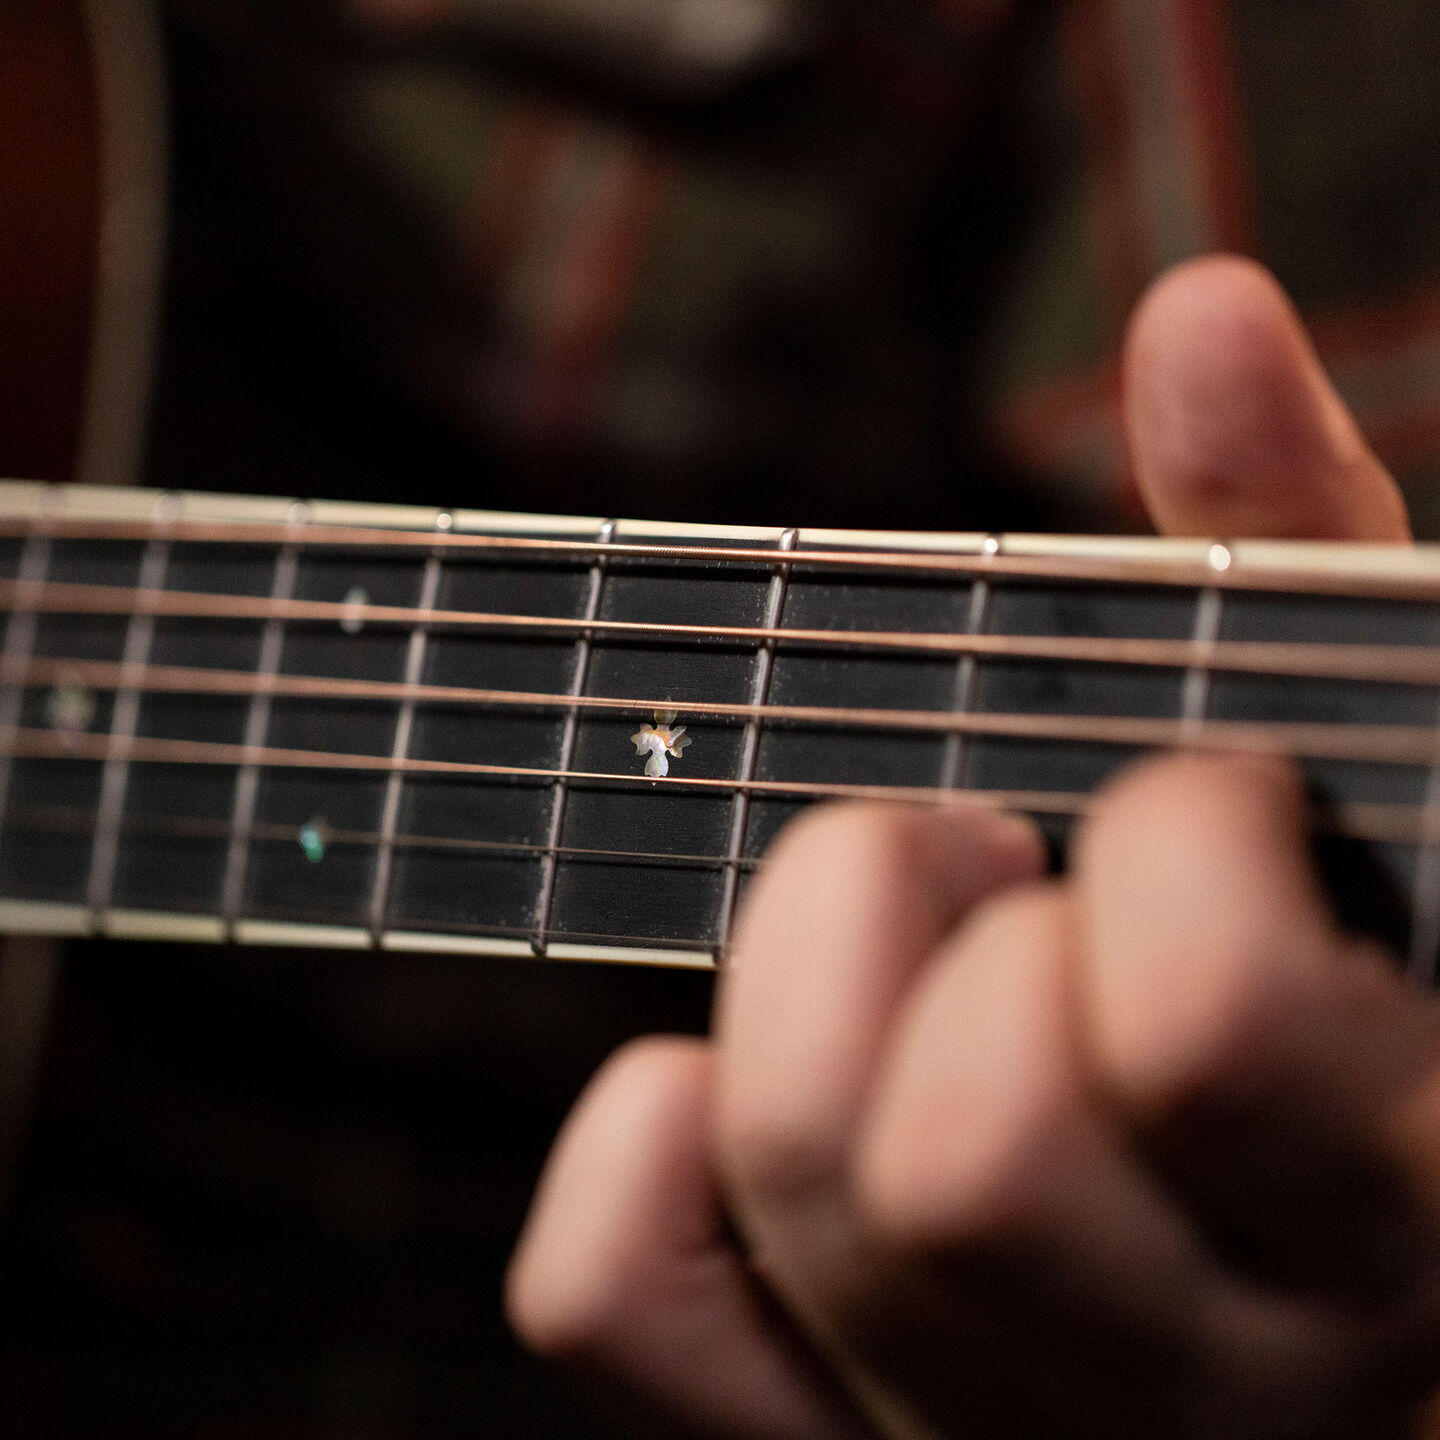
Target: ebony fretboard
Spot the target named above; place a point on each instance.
(330, 725)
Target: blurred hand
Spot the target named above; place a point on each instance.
(1150, 1151)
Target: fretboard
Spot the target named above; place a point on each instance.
(332, 725)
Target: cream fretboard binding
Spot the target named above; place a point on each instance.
(422, 739)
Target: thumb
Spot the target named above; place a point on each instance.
(1233, 427)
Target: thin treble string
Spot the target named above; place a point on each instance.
(1365, 821)
(1311, 740)
(74, 820)
(1127, 570)
(1385, 664)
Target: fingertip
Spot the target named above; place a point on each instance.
(1234, 428)
(964, 1112)
(628, 1275)
(626, 1182)
(1205, 926)
(1163, 787)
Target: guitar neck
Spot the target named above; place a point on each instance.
(352, 726)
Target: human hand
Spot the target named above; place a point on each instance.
(1153, 1150)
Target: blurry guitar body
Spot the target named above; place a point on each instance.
(49, 228)
(82, 226)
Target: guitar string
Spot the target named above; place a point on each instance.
(1383, 664)
(71, 819)
(1403, 745)
(1379, 821)
(1393, 744)
(1307, 579)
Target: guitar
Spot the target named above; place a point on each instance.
(357, 726)
(82, 226)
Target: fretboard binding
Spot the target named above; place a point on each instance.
(1402, 583)
(39, 917)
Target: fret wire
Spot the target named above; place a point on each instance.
(1389, 664)
(1358, 820)
(404, 725)
(257, 724)
(1380, 744)
(560, 794)
(967, 673)
(750, 749)
(35, 556)
(1195, 692)
(1061, 567)
(124, 719)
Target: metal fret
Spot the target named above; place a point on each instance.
(404, 727)
(1209, 613)
(546, 900)
(967, 672)
(750, 752)
(257, 723)
(19, 646)
(1195, 693)
(123, 722)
